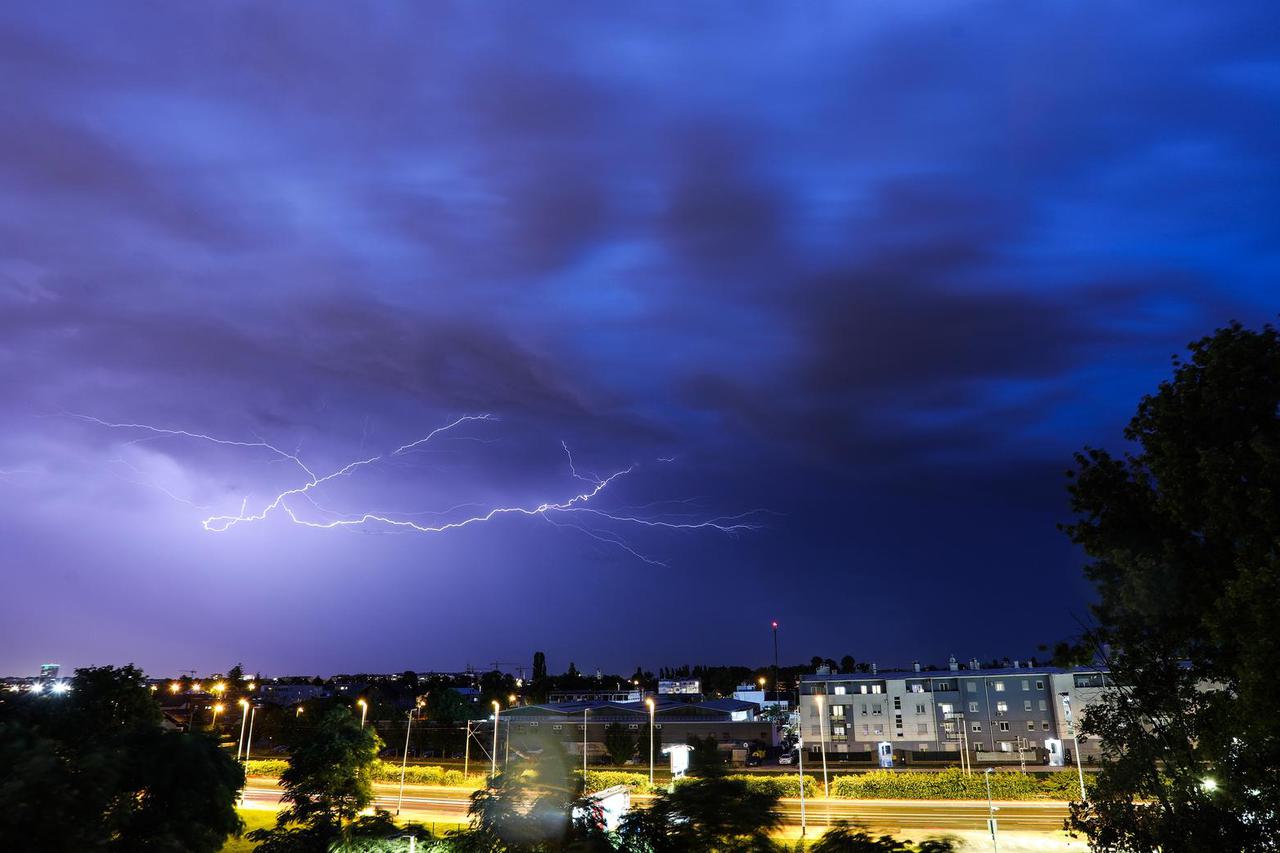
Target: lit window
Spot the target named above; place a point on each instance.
(973, 707)
(1002, 707)
(997, 686)
(875, 688)
(945, 707)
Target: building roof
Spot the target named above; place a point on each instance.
(601, 711)
(911, 675)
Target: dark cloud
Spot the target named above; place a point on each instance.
(878, 270)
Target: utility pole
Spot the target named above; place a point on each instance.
(775, 657)
(800, 763)
(991, 815)
(1075, 741)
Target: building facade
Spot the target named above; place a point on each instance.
(997, 715)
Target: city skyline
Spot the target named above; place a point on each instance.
(841, 292)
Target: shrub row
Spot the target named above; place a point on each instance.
(950, 784)
(954, 784)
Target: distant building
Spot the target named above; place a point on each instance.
(291, 694)
(680, 687)
(49, 671)
(575, 724)
(761, 697)
(620, 695)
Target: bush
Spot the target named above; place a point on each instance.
(949, 784)
(598, 780)
(265, 767)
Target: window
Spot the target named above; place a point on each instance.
(919, 709)
(633, 725)
(557, 727)
(813, 710)
(973, 707)
(877, 710)
(1002, 707)
(837, 712)
(1039, 685)
(975, 727)
(945, 707)
(949, 727)
(840, 690)
(897, 720)
(897, 703)
(1031, 725)
(864, 688)
(997, 686)
(879, 729)
(1026, 704)
(1026, 685)
(979, 747)
(1043, 707)
(864, 709)
(922, 728)
(923, 747)
(1044, 726)
(535, 725)
(971, 686)
(917, 688)
(866, 729)
(1004, 725)
(875, 688)
(944, 685)
(838, 733)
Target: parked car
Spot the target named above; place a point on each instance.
(788, 758)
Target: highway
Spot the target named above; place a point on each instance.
(427, 804)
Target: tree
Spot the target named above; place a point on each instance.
(844, 837)
(95, 769)
(1181, 536)
(847, 664)
(539, 666)
(705, 758)
(327, 783)
(534, 807)
(619, 743)
(714, 813)
(446, 705)
(642, 744)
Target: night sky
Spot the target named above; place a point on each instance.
(865, 272)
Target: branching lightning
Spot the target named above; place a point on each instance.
(580, 511)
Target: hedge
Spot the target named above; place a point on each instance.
(949, 784)
(954, 784)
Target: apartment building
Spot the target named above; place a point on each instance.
(933, 715)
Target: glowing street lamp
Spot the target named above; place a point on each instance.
(493, 769)
(244, 718)
(364, 710)
(651, 705)
(219, 688)
(174, 687)
(1075, 741)
(253, 713)
(217, 709)
(297, 712)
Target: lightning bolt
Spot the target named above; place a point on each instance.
(573, 511)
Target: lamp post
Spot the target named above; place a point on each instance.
(1075, 742)
(800, 765)
(217, 709)
(822, 736)
(991, 814)
(775, 655)
(493, 769)
(253, 712)
(364, 710)
(650, 703)
(244, 718)
(404, 762)
(584, 748)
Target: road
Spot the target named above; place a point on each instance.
(427, 804)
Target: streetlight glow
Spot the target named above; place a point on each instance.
(364, 710)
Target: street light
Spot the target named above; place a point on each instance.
(1075, 742)
(364, 710)
(174, 687)
(822, 736)
(404, 762)
(991, 815)
(1209, 785)
(244, 718)
(297, 712)
(584, 748)
(800, 768)
(493, 764)
(253, 713)
(217, 709)
(219, 687)
(650, 703)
